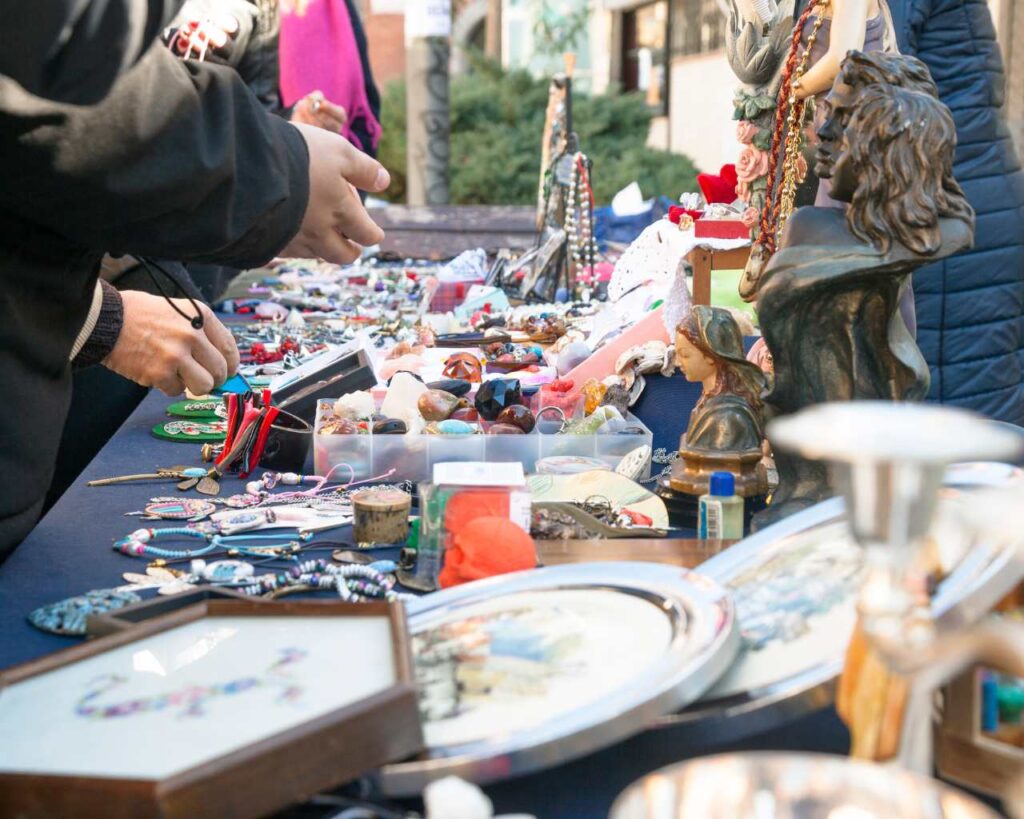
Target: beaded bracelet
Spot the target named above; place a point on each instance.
(136, 544)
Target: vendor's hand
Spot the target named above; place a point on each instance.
(336, 223)
(158, 348)
(313, 109)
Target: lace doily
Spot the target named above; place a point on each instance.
(655, 255)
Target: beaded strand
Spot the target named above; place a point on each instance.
(352, 582)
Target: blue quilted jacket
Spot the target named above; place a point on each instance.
(970, 308)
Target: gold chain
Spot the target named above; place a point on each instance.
(795, 130)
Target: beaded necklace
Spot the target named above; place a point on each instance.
(137, 543)
(352, 582)
(579, 214)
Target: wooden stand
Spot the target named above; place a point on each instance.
(964, 754)
(703, 260)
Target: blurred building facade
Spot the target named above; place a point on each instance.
(672, 51)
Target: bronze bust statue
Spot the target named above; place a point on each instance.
(828, 298)
(726, 428)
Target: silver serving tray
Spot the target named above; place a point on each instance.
(978, 582)
(791, 786)
(703, 644)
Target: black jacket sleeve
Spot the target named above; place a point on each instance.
(179, 161)
(74, 50)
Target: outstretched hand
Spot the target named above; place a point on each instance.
(336, 225)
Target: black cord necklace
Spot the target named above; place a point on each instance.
(151, 265)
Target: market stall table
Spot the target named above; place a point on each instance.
(70, 552)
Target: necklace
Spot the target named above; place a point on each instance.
(137, 543)
(579, 214)
(787, 142)
(352, 582)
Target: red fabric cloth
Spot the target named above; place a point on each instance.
(484, 547)
(318, 51)
(720, 187)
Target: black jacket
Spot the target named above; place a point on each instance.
(109, 143)
(970, 307)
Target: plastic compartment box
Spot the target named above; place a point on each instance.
(413, 456)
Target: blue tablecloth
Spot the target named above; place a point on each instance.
(70, 552)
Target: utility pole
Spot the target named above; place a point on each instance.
(428, 28)
(492, 30)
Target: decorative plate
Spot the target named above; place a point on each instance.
(795, 586)
(528, 670)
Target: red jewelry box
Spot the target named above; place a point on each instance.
(720, 229)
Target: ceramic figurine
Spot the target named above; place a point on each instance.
(725, 430)
(828, 300)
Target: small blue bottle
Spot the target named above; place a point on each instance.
(721, 510)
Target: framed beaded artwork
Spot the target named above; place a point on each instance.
(226, 708)
(528, 670)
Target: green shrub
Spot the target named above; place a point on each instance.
(497, 119)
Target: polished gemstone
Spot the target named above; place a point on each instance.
(341, 426)
(518, 416)
(436, 405)
(493, 396)
(504, 429)
(390, 426)
(455, 386)
(453, 427)
(617, 396)
(403, 393)
(463, 367)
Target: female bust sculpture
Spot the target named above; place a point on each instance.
(725, 429)
(828, 298)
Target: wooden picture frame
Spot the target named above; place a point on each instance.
(117, 620)
(312, 753)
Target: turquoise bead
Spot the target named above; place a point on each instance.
(452, 426)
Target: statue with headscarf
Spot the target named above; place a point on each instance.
(726, 428)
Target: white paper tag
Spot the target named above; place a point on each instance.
(520, 508)
(479, 473)
(428, 18)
